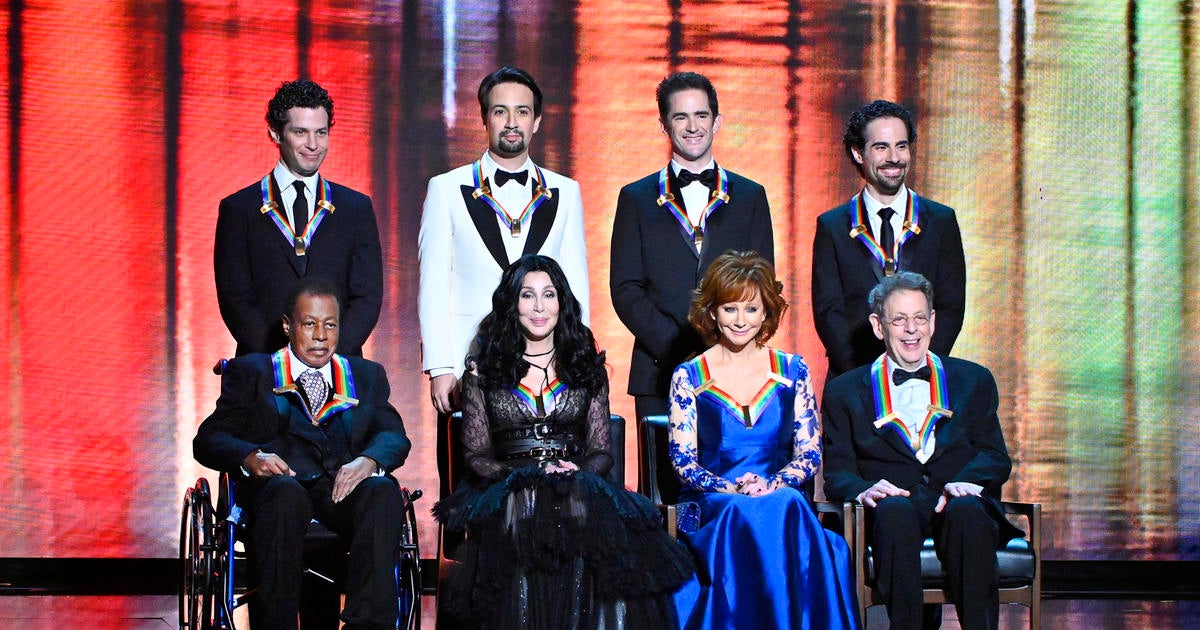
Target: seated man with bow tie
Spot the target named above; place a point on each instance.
(915, 438)
(309, 433)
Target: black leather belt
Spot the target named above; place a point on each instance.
(539, 431)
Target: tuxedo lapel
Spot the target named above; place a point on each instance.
(910, 248)
(883, 433)
(863, 252)
(540, 223)
(484, 219)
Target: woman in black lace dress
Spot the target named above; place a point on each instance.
(550, 543)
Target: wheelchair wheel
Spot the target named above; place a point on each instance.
(196, 556)
(408, 567)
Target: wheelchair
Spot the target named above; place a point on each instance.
(212, 558)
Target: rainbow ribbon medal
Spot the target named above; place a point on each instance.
(750, 412)
(859, 229)
(536, 402)
(345, 394)
(939, 402)
(272, 206)
(483, 190)
(666, 198)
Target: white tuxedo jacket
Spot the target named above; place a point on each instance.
(462, 257)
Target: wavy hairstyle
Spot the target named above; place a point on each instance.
(733, 277)
(301, 93)
(500, 342)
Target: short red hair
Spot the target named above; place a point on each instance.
(734, 277)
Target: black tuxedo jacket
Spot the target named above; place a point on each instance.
(970, 445)
(844, 272)
(654, 269)
(250, 415)
(255, 267)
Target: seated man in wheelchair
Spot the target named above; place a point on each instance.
(309, 433)
(915, 438)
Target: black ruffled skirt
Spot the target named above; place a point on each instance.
(559, 551)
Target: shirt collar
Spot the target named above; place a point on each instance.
(676, 166)
(490, 166)
(898, 204)
(284, 177)
(299, 367)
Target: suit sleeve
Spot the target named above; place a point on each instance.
(436, 258)
(949, 290)
(991, 465)
(243, 314)
(652, 328)
(762, 232)
(573, 253)
(387, 444)
(842, 479)
(364, 286)
(829, 311)
(218, 443)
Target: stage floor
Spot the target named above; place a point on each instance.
(159, 612)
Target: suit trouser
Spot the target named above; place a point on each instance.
(280, 509)
(966, 537)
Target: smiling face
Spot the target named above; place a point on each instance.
(885, 157)
(906, 328)
(312, 329)
(739, 322)
(303, 140)
(691, 126)
(537, 306)
(510, 121)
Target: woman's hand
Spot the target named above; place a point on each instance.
(752, 485)
(559, 466)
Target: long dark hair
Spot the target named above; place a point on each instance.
(500, 342)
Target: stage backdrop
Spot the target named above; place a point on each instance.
(1062, 131)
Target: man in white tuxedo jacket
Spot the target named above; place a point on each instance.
(482, 216)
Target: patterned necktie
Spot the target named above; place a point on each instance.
(299, 209)
(316, 390)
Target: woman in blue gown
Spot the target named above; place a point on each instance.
(745, 437)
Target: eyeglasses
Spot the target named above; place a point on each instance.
(901, 321)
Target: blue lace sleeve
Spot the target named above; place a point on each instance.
(683, 443)
(806, 430)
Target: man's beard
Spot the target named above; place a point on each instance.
(510, 148)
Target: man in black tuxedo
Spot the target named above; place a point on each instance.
(668, 228)
(306, 432)
(296, 224)
(917, 481)
(854, 246)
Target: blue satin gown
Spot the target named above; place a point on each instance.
(762, 562)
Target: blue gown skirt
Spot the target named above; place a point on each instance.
(765, 562)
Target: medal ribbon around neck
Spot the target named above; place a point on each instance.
(483, 190)
(860, 227)
(666, 198)
(939, 402)
(754, 409)
(274, 207)
(345, 394)
(527, 396)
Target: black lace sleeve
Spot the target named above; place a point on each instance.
(598, 459)
(476, 433)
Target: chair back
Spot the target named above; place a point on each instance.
(656, 475)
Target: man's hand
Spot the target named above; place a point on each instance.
(957, 489)
(260, 464)
(443, 391)
(349, 475)
(881, 490)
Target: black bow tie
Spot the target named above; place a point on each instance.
(503, 176)
(708, 177)
(899, 376)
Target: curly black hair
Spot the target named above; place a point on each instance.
(853, 137)
(500, 342)
(300, 93)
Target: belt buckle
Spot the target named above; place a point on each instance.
(542, 430)
(539, 452)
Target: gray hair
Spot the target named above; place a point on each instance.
(902, 281)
